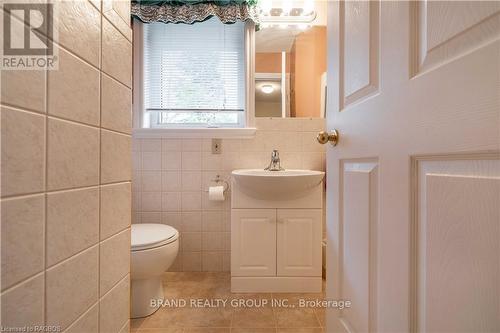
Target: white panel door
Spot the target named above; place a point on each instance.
(359, 242)
(299, 236)
(253, 242)
(413, 185)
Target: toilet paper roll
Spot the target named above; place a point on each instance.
(216, 193)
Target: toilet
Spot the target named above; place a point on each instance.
(153, 250)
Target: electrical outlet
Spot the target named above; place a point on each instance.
(216, 146)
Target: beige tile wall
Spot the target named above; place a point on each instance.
(170, 177)
(65, 178)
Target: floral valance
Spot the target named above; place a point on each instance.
(192, 11)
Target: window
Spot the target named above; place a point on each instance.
(194, 75)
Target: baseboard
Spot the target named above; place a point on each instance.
(276, 284)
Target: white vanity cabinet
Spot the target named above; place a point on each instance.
(276, 244)
(298, 242)
(253, 242)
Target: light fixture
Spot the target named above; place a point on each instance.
(267, 88)
(286, 7)
(288, 14)
(308, 7)
(302, 26)
(266, 6)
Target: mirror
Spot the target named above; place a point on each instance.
(290, 64)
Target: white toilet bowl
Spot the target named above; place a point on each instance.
(153, 249)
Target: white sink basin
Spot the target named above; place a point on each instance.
(276, 185)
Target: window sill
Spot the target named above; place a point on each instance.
(220, 133)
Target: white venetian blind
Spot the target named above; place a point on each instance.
(193, 68)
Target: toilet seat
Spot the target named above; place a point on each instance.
(147, 236)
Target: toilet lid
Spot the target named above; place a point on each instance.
(151, 235)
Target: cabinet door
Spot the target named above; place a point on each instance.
(299, 242)
(253, 242)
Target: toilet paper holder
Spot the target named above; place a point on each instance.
(219, 180)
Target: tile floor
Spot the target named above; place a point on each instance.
(228, 319)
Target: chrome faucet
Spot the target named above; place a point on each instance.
(275, 164)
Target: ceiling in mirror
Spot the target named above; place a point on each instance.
(276, 39)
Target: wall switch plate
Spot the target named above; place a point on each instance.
(216, 146)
